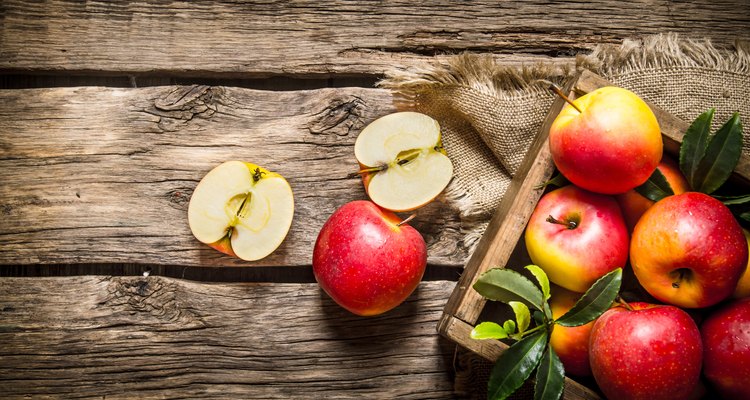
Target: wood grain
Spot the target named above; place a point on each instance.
(260, 38)
(98, 175)
(155, 337)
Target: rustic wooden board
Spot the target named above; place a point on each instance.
(156, 337)
(260, 38)
(101, 175)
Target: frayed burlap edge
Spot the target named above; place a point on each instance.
(665, 51)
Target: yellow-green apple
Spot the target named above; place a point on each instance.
(577, 237)
(633, 204)
(242, 210)
(743, 286)
(402, 160)
(688, 250)
(611, 145)
(570, 343)
(367, 260)
(648, 352)
(726, 349)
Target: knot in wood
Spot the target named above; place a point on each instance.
(183, 104)
(179, 198)
(152, 300)
(339, 117)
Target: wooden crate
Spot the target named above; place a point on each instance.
(502, 242)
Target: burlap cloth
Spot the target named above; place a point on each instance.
(489, 115)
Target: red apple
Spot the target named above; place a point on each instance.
(688, 250)
(633, 204)
(726, 352)
(570, 343)
(577, 237)
(366, 260)
(743, 286)
(652, 352)
(611, 146)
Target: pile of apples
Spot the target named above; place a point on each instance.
(687, 251)
(366, 258)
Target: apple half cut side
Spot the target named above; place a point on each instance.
(404, 165)
(242, 210)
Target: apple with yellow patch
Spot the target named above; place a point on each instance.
(402, 160)
(241, 209)
(607, 141)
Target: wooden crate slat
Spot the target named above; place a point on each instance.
(101, 175)
(136, 337)
(260, 38)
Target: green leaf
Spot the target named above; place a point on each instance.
(523, 316)
(542, 278)
(694, 144)
(656, 187)
(745, 216)
(558, 180)
(509, 326)
(550, 377)
(722, 154)
(538, 317)
(515, 365)
(488, 330)
(595, 301)
(500, 284)
(734, 200)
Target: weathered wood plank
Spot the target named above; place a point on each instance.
(118, 337)
(260, 38)
(97, 175)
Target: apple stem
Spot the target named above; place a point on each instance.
(624, 303)
(568, 224)
(560, 93)
(409, 218)
(366, 171)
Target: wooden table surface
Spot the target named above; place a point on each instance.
(111, 112)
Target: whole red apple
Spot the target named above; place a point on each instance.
(611, 145)
(633, 204)
(726, 349)
(688, 250)
(366, 260)
(577, 237)
(570, 343)
(650, 352)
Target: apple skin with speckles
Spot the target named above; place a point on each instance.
(651, 352)
(588, 240)
(688, 250)
(366, 260)
(726, 353)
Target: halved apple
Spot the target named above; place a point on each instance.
(404, 165)
(242, 210)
